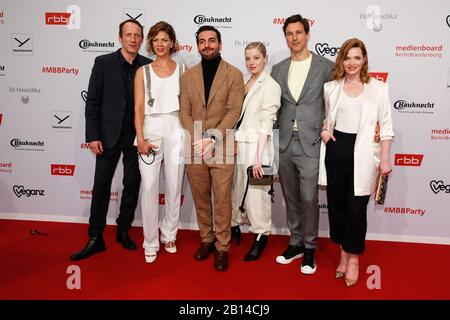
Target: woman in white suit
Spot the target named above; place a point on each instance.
(255, 147)
(350, 158)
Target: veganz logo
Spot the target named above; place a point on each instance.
(57, 18)
(324, 49)
(62, 169)
(21, 191)
(411, 160)
(84, 95)
(438, 186)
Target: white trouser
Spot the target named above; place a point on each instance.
(258, 206)
(168, 126)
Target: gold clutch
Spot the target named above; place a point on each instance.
(381, 188)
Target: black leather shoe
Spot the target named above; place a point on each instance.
(94, 245)
(257, 248)
(124, 238)
(236, 234)
(204, 250)
(221, 260)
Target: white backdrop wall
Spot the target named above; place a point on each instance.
(46, 170)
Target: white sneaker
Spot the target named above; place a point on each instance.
(170, 247)
(150, 256)
(290, 254)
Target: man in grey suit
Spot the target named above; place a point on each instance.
(301, 77)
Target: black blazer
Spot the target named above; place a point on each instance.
(106, 102)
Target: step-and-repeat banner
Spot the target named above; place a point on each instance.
(48, 49)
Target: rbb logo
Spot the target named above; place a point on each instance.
(411, 160)
(57, 18)
(1, 118)
(381, 76)
(62, 169)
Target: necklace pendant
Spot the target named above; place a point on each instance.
(150, 102)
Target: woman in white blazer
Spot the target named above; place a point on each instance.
(255, 147)
(350, 158)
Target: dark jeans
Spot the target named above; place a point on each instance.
(347, 213)
(105, 166)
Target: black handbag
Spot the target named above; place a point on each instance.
(266, 180)
(381, 188)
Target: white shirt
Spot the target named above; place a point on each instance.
(298, 71)
(165, 91)
(348, 113)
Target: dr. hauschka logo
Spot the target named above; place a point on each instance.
(62, 169)
(25, 145)
(419, 51)
(280, 21)
(438, 186)
(323, 49)
(84, 95)
(410, 160)
(6, 167)
(381, 76)
(2, 71)
(405, 211)
(243, 43)
(440, 134)
(22, 191)
(61, 120)
(24, 93)
(414, 107)
(61, 70)
(375, 18)
(95, 46)
(136, 14)
(218, 22)
(87, 195)
(22, 44)
(57, 18)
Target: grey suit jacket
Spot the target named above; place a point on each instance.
(308, 110)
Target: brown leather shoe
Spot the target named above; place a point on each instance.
(221, 260)
(204, 250)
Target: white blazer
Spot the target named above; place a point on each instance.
(259, 110)
(376, 107)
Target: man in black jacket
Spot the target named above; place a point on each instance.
(110, 132)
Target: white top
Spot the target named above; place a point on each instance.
(298, 71)
(348, 113)
(165, 91)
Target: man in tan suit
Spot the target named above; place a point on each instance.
(210, 105)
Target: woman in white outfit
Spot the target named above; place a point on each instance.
(350, 157)
(159, 138)
(255, 147)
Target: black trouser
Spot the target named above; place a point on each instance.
(105, 167)
(347, 213)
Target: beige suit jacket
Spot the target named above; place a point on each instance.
(203, 118)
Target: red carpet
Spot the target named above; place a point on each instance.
(35, 267)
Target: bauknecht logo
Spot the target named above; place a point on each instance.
(16, 143)
(438, 186)
(201, 19)
(21, 191)
(408, 107)
(86, 44)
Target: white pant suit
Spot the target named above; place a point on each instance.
(161, 120)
